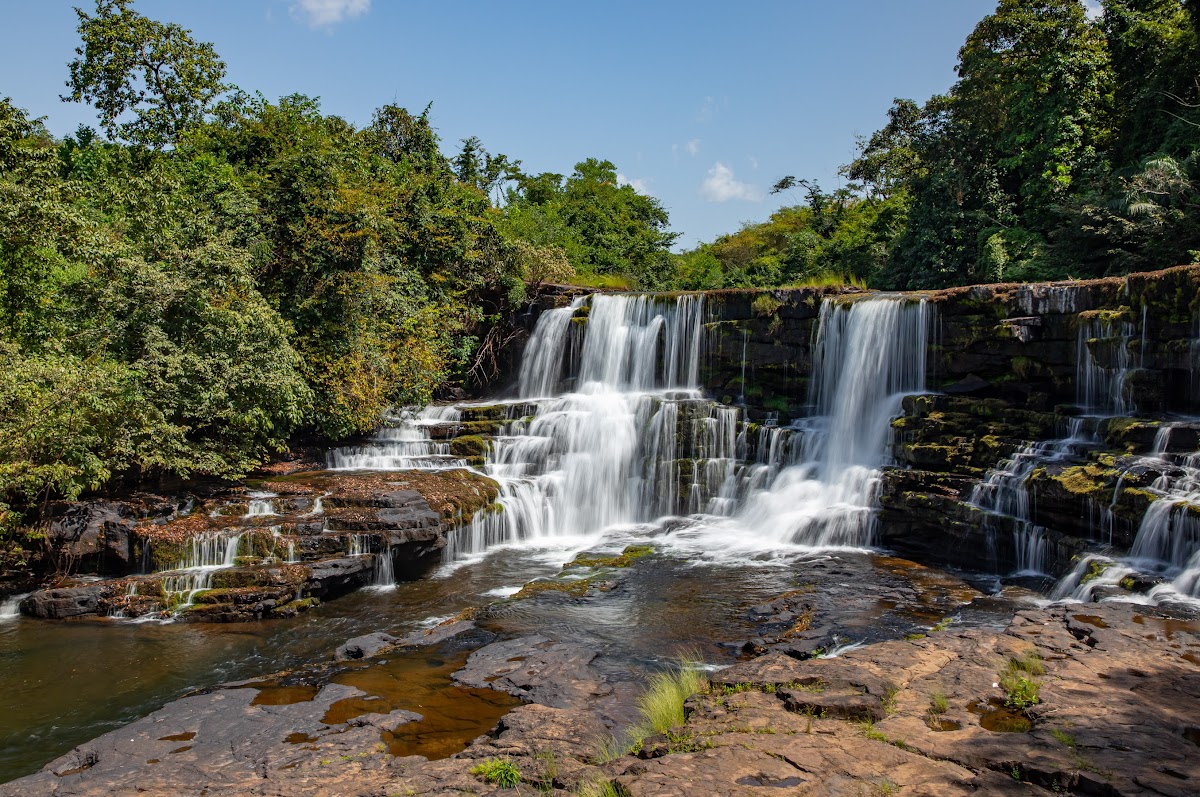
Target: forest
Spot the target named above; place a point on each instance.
(209, 275)
(1067, 148)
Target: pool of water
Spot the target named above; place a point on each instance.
(62, 683)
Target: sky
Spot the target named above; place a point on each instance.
(703, 105)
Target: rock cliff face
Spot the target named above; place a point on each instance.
(1014, 366)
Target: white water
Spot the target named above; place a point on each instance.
(10, 607)
(260, 504)
(1003, 493)
(403, 444)
(1101, 389)
(1167, 543)
(205, 554)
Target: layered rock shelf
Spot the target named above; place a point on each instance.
(271, 552)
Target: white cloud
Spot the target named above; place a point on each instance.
(639, 184)
(720, 186)
(327, 13)
(693, 147)
(1093, 8)
(753, 162)
(708, 109)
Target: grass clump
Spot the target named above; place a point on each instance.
(938, 704)
(1020, 681)
(661, 707)
(604, 788)
(498, 771)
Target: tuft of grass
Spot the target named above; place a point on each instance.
(549, 764)
(1064, 738)
(886, 788)
(661, 706)
(498, 771)
(1020, 680)
(602, 788)
(938, 703)
(942, 625)
(888, 700)
(869, 731)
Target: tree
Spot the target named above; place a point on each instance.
(158, 72)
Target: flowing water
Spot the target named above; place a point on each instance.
(610, 443)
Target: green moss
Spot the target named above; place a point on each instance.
(1096, 568)
(765, 305)
(1085, 479)
(471, 445)
(576, 588)
(627, 557)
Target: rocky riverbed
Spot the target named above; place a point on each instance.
(1109, 703)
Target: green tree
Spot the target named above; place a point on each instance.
(129, 64)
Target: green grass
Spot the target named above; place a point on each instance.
(605, 788)
(608, 281)
(938, 704)
(829, 279)
(1020, 683)
(661, 706)
(1064, 738)
(499, 771)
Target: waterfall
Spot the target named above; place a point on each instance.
(382, 577)
(403, 444)
(260, 504)
(634, 440)
(541, 365)
(1002, 493)
(1100, 389)
(205, 554)
(608, 453)
(10, 607)
(868, 354)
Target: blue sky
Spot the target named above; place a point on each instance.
(701, 104)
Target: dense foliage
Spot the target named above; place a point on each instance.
(223, 273)
(1068, 147)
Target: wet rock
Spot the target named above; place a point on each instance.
(363, 646)
(61, 604)
(538, 669)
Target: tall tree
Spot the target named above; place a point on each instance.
(129, 64)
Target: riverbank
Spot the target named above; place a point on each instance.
(1107, 697)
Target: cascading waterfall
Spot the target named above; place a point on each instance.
(608, 453)
(403, 444)
(205, 554)
(1002, 493)
(1167, 543)
(383, 577)
(260, 505)
(868, 354)
(542, 363)
(1101, 389)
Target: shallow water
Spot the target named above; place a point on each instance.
(62, 683)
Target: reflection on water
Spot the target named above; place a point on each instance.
(64, 683)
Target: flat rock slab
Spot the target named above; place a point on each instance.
(213, 743)
(1119, 701)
